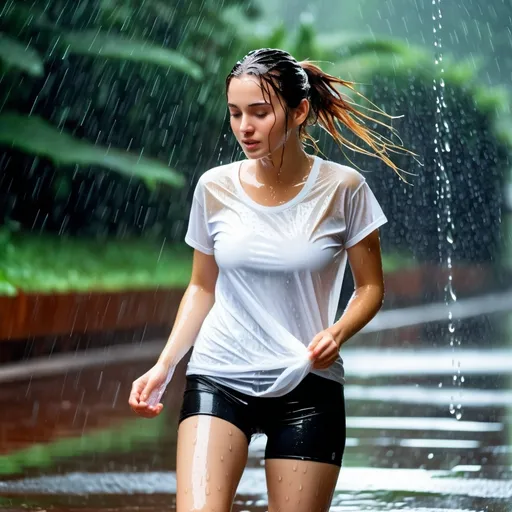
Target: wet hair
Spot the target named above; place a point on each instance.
(292, 81)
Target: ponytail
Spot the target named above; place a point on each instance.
(329, 108)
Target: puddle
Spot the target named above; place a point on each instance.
(357, 489)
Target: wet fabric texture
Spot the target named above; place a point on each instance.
(280, 273)
(308, 423)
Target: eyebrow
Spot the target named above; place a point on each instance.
(257, 104)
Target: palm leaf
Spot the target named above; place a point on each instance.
(14, 54)
(114, 46)
(347, 45)
(36, 136)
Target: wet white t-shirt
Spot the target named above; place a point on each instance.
(280, 273)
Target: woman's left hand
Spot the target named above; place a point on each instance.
(323, 350)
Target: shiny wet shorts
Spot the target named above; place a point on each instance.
(307, 424)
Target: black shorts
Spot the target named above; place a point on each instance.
(308, 423)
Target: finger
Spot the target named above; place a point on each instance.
(315, 341)
(322, 346)
(316, 348)
(134, 397)
(137, 387)
(142, 408)
(328, 353)
(146, 392)
(321, 365)
(325, 362)
(133, 400)
(149, 412)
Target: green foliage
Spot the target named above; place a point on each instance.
(145, 76)
(36, 136)
(106, 45)
(46, 264)
(49, 264)
(331, 50)
(14, 55)
(121, 439)
(116, 31)
(17, 16)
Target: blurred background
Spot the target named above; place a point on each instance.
(110, 110)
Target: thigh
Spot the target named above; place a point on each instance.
(300, 485)
(211, 457)
(306, 441)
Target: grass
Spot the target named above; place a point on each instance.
(52, 264)
(123, 438)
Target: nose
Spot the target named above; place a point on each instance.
(245, 125)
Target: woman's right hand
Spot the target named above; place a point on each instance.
(142, 389)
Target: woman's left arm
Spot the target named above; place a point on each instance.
(366, 266)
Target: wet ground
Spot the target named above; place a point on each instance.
(68, 440)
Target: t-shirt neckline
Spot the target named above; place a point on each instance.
(280, 207)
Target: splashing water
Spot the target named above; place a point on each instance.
(445, 224)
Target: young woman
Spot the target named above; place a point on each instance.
(272, 235)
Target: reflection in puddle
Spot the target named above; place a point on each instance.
(87, 452)
(357, 489)
(253, 480)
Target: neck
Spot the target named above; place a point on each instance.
(286, 165)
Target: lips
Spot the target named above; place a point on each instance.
(250, 144)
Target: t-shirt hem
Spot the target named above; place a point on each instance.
(198, 246)
(366, 231)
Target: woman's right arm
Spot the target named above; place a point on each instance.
(195, 304)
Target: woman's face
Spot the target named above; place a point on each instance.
(257, 118)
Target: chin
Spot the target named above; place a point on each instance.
(255, 155)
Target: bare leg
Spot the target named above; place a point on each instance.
(211, 457)
(300, 486)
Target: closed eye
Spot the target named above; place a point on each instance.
(260, 115)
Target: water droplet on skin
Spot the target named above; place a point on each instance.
(207, 477)
(295, 468)
(300, 487)
(186, 490)
(218, 487)
(230, 448)
(230, 433)
(280, 478)
(207, 491)
(287, 498)
(305, 470)
(222, 458)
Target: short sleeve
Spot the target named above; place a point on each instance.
(198, 235)
(364, 215)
